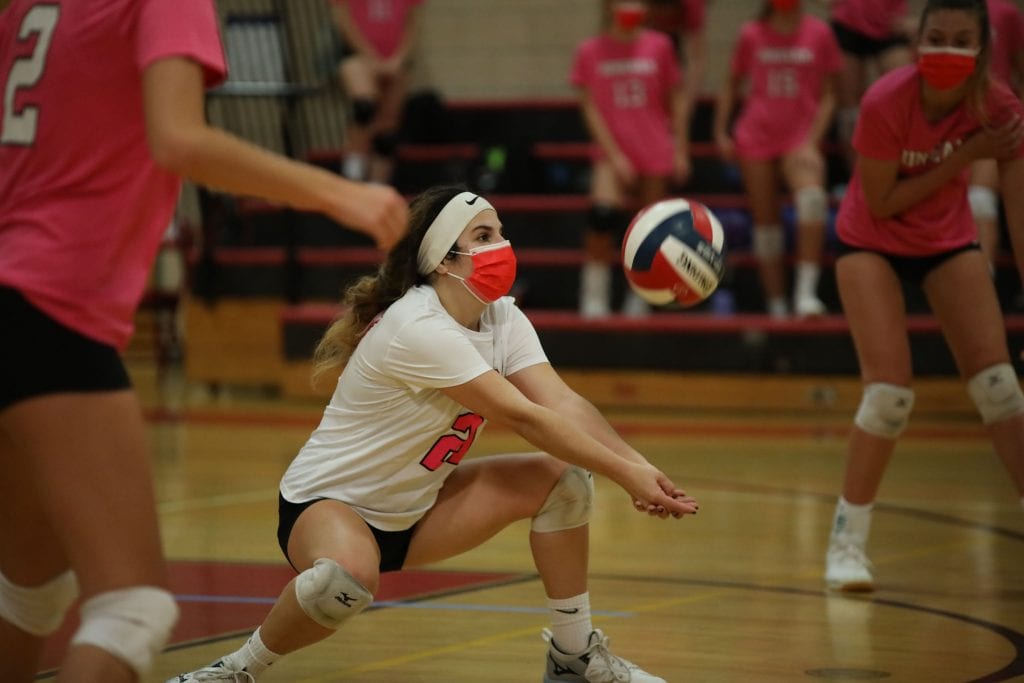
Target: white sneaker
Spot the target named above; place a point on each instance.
(218, 671)
(847, 568)
(594, 665)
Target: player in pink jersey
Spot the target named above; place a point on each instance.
(684, 22)
(429, 349)
(103, 110)
(378, 40)
(1008, 66)
(789, 60)
(874, 36)
(906, 220)
(634, 106)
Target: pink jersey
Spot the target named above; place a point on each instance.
(382, 22)
(876, 19)
(787, 74)
(82, 204)
(1007, 38)
(684, 16)
(892, 127)
(630, 84)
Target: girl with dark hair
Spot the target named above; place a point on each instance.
(906, 219)
(430, 348)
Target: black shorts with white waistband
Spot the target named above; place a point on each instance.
(393, 545)
(39, 356)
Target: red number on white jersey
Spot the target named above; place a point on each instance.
(451, 448)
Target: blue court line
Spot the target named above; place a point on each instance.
(242, 599)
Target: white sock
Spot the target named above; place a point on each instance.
(852, 521)
(807, 275)
(570, 623)
(253, 657)
(595, 289)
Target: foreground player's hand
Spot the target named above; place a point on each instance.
(998, 142)
(376, 210)
(654, 493)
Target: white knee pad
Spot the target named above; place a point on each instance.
(997, 393)
(884, 409)
(38, 610)
(569, 503)
(811, 205)
(133, 624)
(329, 595)
(769, 241)
(984, 203)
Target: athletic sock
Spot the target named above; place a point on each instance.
(253, 657)
(852, 521)
(570, 623)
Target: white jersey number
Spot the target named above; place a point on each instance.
(19, 127)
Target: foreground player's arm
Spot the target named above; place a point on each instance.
(888, 195)
(181, 141)
(542, 385)
(498, 400)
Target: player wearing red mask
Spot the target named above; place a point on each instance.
(788, 61)
(906, 220)
(635, 106)
(430, 349)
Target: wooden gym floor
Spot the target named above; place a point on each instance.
(733, 594)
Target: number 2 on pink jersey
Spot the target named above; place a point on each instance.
(451, 448)
(19, 127)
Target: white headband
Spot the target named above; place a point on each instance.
(447, 227)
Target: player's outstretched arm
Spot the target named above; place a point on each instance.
(181, 141)
(495, 398)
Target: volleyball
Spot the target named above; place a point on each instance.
(674, 251)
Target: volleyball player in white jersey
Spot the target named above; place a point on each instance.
(431, 348)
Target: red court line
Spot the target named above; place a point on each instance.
(207, 618)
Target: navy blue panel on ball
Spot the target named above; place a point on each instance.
(679, 225)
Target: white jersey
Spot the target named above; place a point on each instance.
(389, 437)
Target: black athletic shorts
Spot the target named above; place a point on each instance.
(910, 269)
(856, 43)
(39, 356)
(393, 545)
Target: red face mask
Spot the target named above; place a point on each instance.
(785, 5)
(629, 15)
(494, 271)
(944, 68)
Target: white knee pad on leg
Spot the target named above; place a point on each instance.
(329, 595)
(811, 205)
(769, 241)
(569, 503)
(38, 610)
(996, 392)
(984, 203)
(885, 409)
(133, 624)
